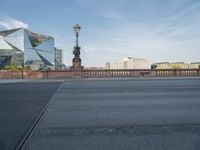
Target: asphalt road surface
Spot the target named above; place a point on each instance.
(122, 115)
(20, 104)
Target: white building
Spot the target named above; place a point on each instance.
(107, 65)
(129, 63)
(117, 65)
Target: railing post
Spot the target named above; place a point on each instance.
(174, 74)
(177, 72)
(153, 73)
(22, 74)
(47, 74)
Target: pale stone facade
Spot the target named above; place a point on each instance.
(129, 63)
(177, 65)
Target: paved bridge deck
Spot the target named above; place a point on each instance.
(120, 115)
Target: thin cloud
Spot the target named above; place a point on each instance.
(112, 14)
(11, 23)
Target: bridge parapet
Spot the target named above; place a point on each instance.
(4, 74)
(139, 73)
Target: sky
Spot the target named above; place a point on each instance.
(156, 30)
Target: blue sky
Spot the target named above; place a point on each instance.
(157, 30)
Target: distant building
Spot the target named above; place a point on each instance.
(59, 59)
(93, 68)
(132, 63)
(161, 65)
(195, 65)
(117, 65)
(129, 63)
(25, 48)
(107, 65)
(176, 65)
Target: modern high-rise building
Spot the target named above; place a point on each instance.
(25, 48)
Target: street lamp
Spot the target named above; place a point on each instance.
(77, 60)
(77, 29)
(76, 51)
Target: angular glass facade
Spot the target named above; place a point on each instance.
(26, 48)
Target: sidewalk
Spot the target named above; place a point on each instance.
(2, 81)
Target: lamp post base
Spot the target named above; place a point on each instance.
(76, 64)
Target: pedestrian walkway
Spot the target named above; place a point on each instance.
(2, 81)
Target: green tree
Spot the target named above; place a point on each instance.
(14, 67)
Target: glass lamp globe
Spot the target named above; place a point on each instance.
(77, 28)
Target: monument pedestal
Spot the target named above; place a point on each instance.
(76, 64)
(76, 67)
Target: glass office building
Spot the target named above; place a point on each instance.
(25, 48)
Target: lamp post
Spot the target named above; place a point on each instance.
(76, 60)
(77, 29)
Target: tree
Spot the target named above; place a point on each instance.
(14, 67)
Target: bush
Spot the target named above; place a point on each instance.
(14, 67)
